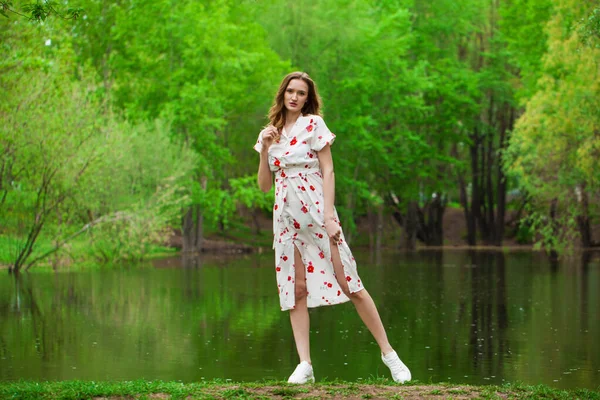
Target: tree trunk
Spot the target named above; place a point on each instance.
(379, 235)
(500, 177)
(187, 229)
(583, 219)
(193, 226)
(436, 221)
(254, 212)
(554, 227)
(410, 227)
(464, 201)
(491, 223)
(372, 227)
(475, 194)
(482, 221)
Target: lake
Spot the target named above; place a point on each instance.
(475, 317)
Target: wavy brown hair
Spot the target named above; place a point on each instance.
(278, 110)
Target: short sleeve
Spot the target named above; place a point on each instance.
(322, 136)
(258, 145)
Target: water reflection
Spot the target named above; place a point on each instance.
(458, 316)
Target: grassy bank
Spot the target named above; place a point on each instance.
(77, 257)
(371, 389)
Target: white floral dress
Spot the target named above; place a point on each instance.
(298, 218)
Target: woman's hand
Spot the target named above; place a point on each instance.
(333, 229)
(268, 135)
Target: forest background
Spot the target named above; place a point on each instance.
(124, 121)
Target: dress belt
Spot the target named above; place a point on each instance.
(295, 172)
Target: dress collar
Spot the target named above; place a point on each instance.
(296, 124)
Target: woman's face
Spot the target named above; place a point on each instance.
(296, 95)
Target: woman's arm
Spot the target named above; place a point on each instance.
(265, 178)
(326, 163)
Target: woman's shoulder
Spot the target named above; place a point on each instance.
(313, 117)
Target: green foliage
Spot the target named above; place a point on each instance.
(39, 11)
(409, 89)
(70, 165)
(589, 30)
(554, 151)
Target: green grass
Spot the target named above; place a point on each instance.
(219, 389)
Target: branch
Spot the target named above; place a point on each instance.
(120, 215)
(39, 11)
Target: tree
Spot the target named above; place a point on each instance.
(555, 149)
(206, 67)
(70, 166)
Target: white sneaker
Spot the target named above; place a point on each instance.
(302, 374)
(400, 372)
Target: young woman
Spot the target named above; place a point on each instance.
(313, 263)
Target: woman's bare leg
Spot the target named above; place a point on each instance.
(365, 306)
(299, 315)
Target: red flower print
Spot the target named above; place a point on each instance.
(316, 202)
(285, 258)
(310, 269)
(309, 128)
(323, 271)
(283, 175)
(277, 163)
(348, 278)
(296, 224)
(312, 188)
(289, 278)
(310, 225)
(339, 292)
(275, 207)
(322, 255)
(304, 142)
(287, 152)
(329, 285)
(320, 137)
(304, 209)
(320, 235)
(310, 155)
(278, 269)
(303, 188)
(294, 141)
(311, 121)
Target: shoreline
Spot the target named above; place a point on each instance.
(379, 388)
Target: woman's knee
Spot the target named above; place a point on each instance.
(301, 291)
(357, 296)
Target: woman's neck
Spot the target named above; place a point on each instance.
(291, 117)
